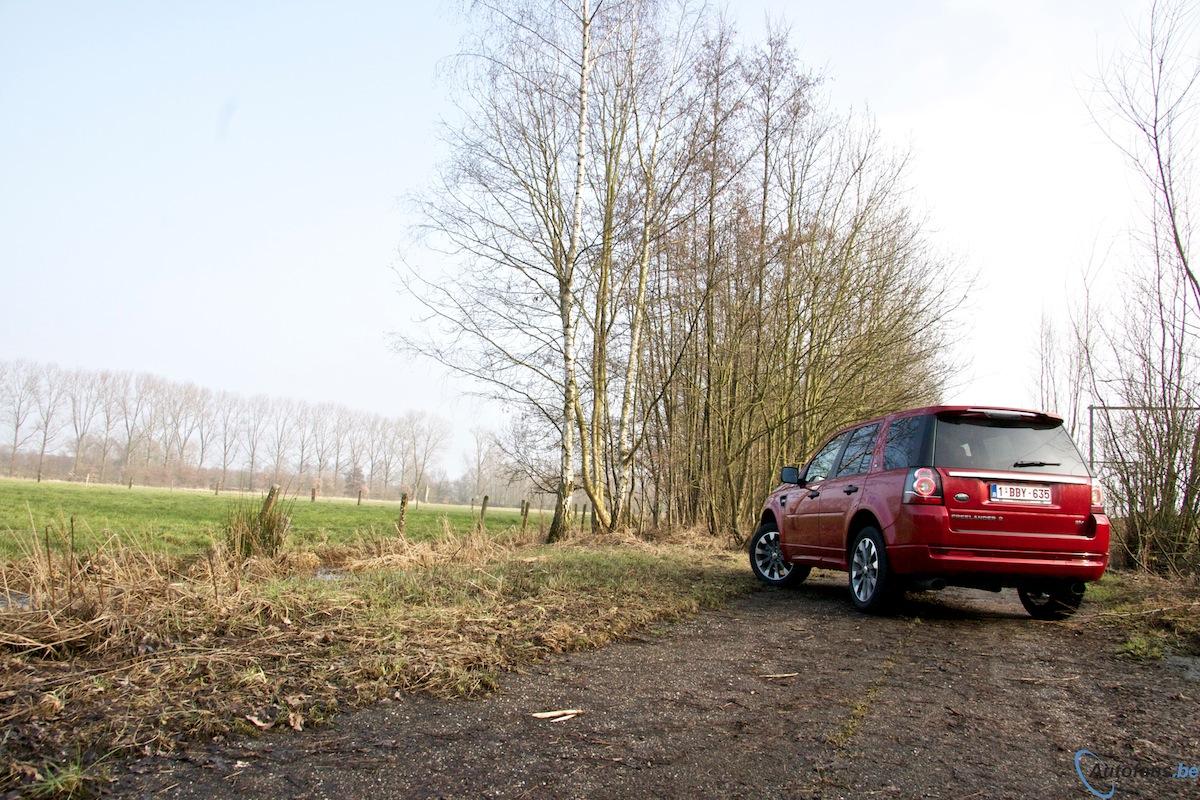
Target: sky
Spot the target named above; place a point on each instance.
(216, 192)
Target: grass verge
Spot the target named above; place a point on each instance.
(127, 650)
(1147, 615)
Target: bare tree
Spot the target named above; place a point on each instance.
(428, 435)
(281, 434)
(256, 416)
(1148, 355)
(108, 388)
(513, 199)
(130, 403)
(323, 422)
(624, 276)
(203, 417)
(304, 422)
(52, 385)
(83, 397)
(228, 431)
(20, 399)
(481, 457)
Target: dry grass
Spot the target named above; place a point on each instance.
(126, 650)
(1149, 615)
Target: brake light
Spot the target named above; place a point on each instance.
(1097, 499)
(924, 486)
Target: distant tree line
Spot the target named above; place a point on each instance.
(105, 426)
(670, 258)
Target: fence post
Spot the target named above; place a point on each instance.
(524, 515)
(312, 495)
(483, 510)
(403, 510)
(360, 497)
(269, 503)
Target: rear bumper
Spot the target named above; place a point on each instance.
(949, 561)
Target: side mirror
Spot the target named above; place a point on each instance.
(790, 475)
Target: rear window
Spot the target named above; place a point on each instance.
(905, 439)
(982, 443)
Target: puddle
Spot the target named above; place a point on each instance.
(328, 574)
(1189, 665)
(18, 601)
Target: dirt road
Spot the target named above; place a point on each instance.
(959, 696)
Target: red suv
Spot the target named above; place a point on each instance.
(937, 496)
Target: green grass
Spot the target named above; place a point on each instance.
(182, 521)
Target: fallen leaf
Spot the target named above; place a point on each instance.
(296, 720)
(49, 705)
(241, 764)
(564, 718)
(258, 723)
(776, 675)
(28, 770)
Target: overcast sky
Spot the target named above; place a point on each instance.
(214, 191)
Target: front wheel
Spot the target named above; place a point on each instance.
(1052, 602)
(872, 585)
(767, 562)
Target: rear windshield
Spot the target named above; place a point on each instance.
(1019, 445)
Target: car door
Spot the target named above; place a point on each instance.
(842, 491)
(801, 512)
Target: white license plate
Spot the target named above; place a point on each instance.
(1019, 493)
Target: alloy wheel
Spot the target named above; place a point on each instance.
(864, 569)
(768, 557)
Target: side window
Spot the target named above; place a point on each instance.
(822, 464)
(902, 448)
(857, 458)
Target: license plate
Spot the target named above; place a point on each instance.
(1019, 493)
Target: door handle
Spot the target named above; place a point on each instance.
(851, 489)
(813, 494)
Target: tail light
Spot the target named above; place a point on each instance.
(1097, 499)
(923, 486)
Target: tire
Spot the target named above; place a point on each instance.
(766, 559)
(873, 586)
(1050, 602)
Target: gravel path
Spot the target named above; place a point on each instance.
(961, 695)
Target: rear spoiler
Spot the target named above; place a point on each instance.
(1004, 413)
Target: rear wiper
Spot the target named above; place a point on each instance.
(1037, 464)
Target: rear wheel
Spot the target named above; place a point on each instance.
(1053, 601)
(767, 561)
(873, 587)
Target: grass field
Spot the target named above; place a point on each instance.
(182, 521)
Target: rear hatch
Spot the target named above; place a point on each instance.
(1012, 479)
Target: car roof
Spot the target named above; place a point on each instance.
(951, 409)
